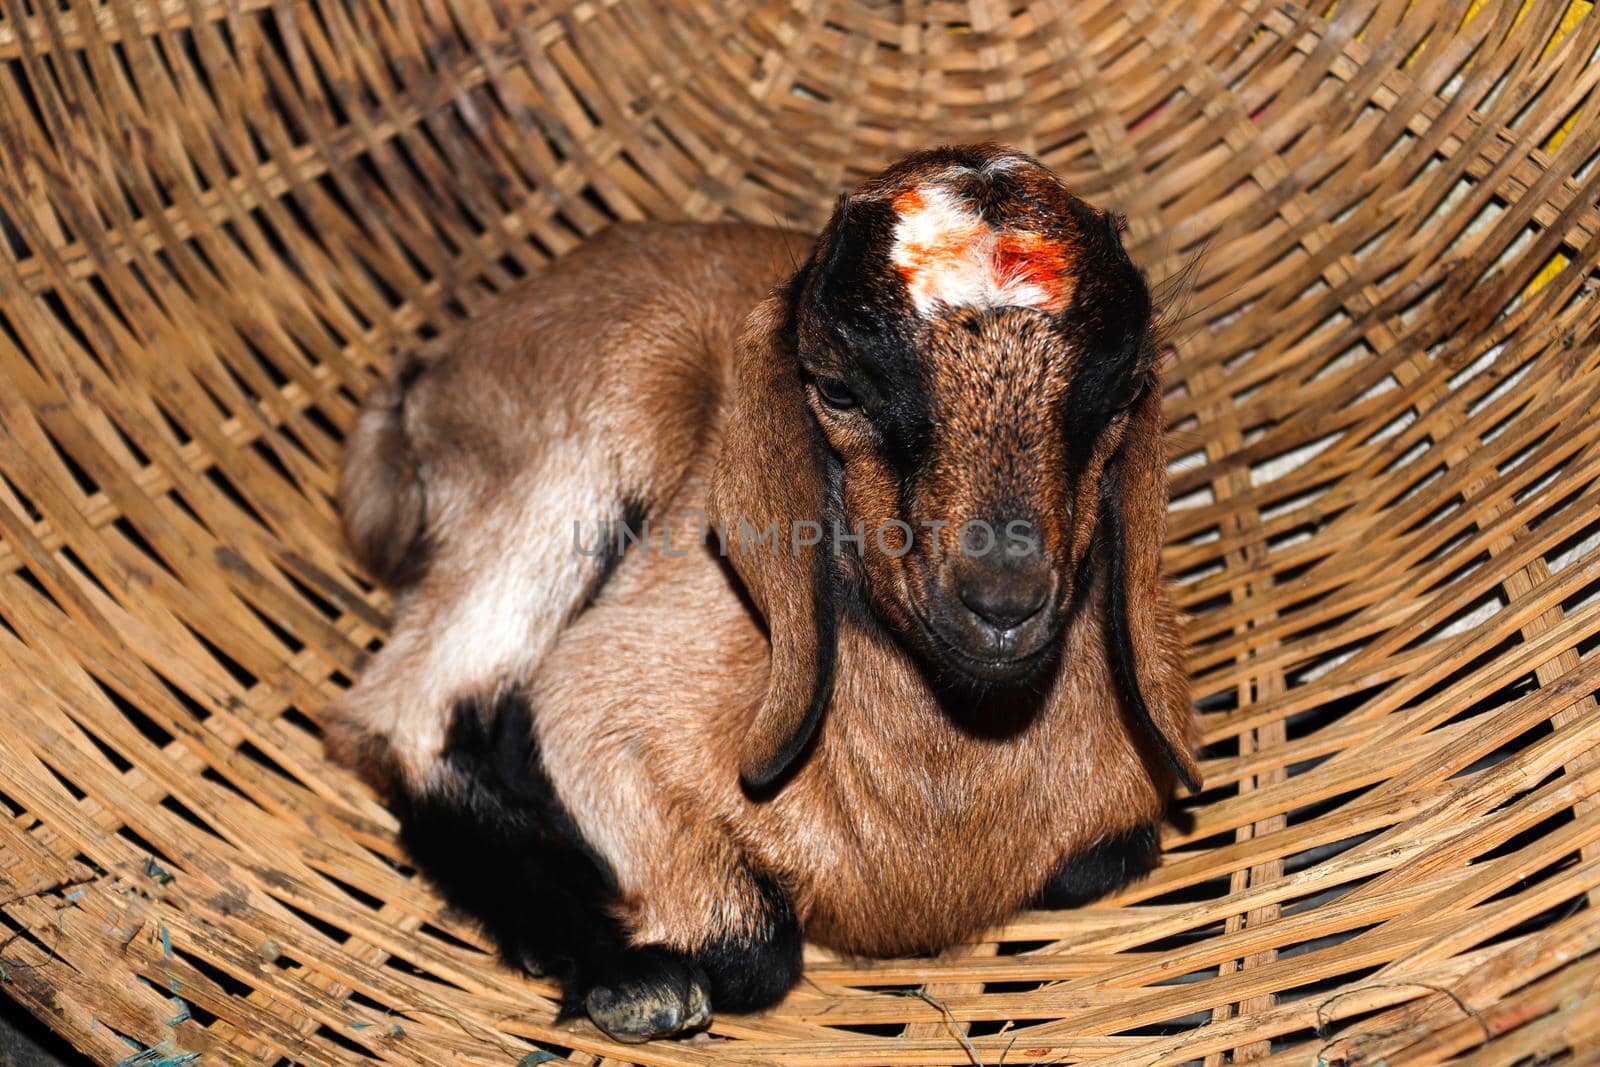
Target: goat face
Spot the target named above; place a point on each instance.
(942, 388)
(970, 334)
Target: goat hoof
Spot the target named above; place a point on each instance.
(650, 994)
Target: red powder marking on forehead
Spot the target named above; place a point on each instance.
(949, 256)
(1025, 258)
(909, 201)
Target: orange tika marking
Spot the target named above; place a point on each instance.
(950, 257)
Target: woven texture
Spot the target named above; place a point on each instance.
(219, 221)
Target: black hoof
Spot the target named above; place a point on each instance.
(647, 994)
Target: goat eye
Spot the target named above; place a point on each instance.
(1130, 392)
(835, 393)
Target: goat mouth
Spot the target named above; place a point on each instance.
(1005, 672)
(987, 670)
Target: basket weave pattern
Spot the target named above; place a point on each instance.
(220, 221)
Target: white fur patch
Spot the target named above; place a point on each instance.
(491, 605)
(950, 257)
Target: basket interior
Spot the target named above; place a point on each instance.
(1377, 219)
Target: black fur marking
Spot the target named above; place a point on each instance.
(412, 564)
(1102, 868)
(410, 370)
(500, 846)
(620, 534)
(1109, 322)
(1123, 658)
(853, 303)
(750, 974)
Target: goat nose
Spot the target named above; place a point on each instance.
(1006, 596)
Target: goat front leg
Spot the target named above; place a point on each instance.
(744, 959)
(492, 833)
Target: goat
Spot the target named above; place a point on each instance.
(789, 696)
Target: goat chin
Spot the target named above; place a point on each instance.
(648, 759)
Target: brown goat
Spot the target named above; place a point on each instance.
(695, 650)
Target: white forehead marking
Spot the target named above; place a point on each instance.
(941, 248)
(950, 257)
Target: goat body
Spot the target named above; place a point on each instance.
(563, 714)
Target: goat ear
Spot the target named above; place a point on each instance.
(1143, 633)
(770, 472)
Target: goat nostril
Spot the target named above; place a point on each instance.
(1006, 599)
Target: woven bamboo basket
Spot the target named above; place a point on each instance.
(223, 218)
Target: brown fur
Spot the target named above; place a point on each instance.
(582, 387)
(914, 817)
